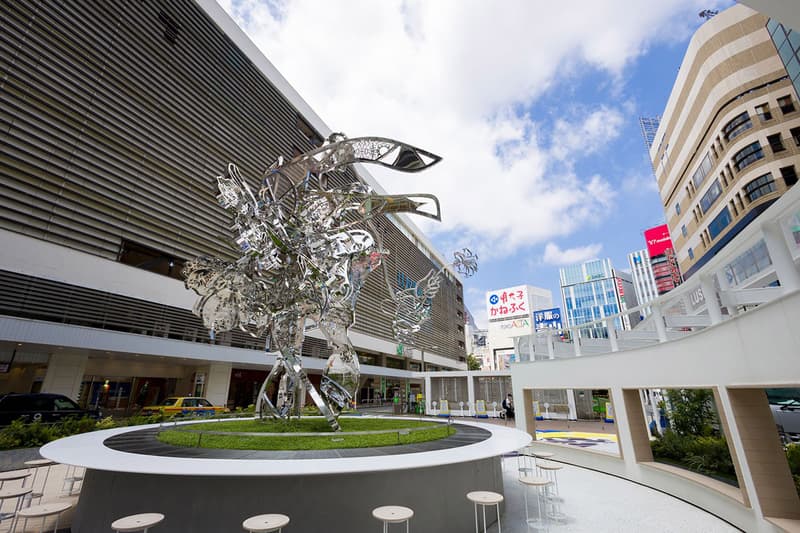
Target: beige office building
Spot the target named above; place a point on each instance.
(727, 146)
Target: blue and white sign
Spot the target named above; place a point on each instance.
(493, 299)
(547, 318)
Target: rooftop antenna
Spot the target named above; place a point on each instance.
(708, 13)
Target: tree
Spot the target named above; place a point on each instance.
(473, 363)
(692, 411)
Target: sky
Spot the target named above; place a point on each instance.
(532, 105)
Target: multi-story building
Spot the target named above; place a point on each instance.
(592, 291)
(644, 282)
(727, 145)
(116, 119)
(510, 313)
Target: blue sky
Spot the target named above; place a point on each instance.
(534, 111)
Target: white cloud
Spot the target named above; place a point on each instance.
(553, 255)
(451, 77)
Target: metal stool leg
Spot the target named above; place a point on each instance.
(499, 529)
(484, 518)
(476, 517)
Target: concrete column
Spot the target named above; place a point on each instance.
(551, 349)
(781, 257)
(65, 374)
(724, 286)
(634, 439)
(576, 342)
(471, 392)
(710, 295)
(658, 320)
(612, 334)
(218, 381)
(525, 416)
(573, 410)
(427, 393)
(761, 460)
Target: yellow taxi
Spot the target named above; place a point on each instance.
(184, 405)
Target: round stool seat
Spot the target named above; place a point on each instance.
(392, 514)
(136, 522)
(484, 497)
(40, 462)
(14, 493)
(265, 522)
(543, 455)
(534, 481)
(11, 476)
(47, 509)
(549, 465)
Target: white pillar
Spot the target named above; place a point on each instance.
(781, 257)
(573, 410)
(218, 382)
(427, 393)
(471, 392)
(654, 410)
(724, 287)
(576, 342)
(658, 320)
(710, 296)
(612, 334)
(65, 374)
(551, 349)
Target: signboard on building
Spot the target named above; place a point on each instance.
(662, 259)
(547, 318)
(509, 303)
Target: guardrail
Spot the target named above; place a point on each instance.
(740, 277)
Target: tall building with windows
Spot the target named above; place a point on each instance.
(594, 290)
(644, 282)
(728, 144)
(116, 119)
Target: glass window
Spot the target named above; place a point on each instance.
(776, 142)
(710, 196)
(789, 175)
(736, 126)
(793, 67)
(794, 38)
(678, 208)
(760, 186)
(64, 404)
(691, 253)
(772, 25)
(748, 155)
(785, 51)
(719, 223)
(201, 402)
(683, 231)
(702, 171)
(763, 112)
(786, 104)
(169, 402)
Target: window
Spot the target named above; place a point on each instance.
(759, 187)
(683, 230)
(786, 104)
(64, 404)
(710, 196)
(691, 253)
(719, 223)
(776, 143)
(203, 403)
(763, 112)
(150, 259)
(678, 208)
(305, 128)
(795, 133)
(702, 171)
(748, 155)
(789, 175)
(736, 126)
(732, 206)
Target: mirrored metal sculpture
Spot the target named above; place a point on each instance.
(307, 249)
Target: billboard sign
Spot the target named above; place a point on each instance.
(658, 240)
(547, 318)
(509, 303)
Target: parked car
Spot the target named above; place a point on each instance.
(42, 407)
(185, 405)
(787, 417)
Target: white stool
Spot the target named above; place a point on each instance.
(550, 471)
(36, 465)
(72, 477)
(264, 523)
(539, 483)
(393, 514)
(40, 511)
(8, 494)
(13, 476)
(136, 522)
(484, 498)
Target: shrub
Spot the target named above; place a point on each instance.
(692, 411)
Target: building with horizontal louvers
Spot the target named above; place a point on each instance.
(115, 119)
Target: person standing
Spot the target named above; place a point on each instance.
(508, 405)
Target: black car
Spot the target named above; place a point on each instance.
(40, 407)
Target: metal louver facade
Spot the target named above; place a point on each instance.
(115, 119)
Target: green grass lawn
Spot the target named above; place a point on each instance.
(329, 441)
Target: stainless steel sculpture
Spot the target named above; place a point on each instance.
(307, 249)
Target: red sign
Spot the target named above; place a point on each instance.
(658, 240)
